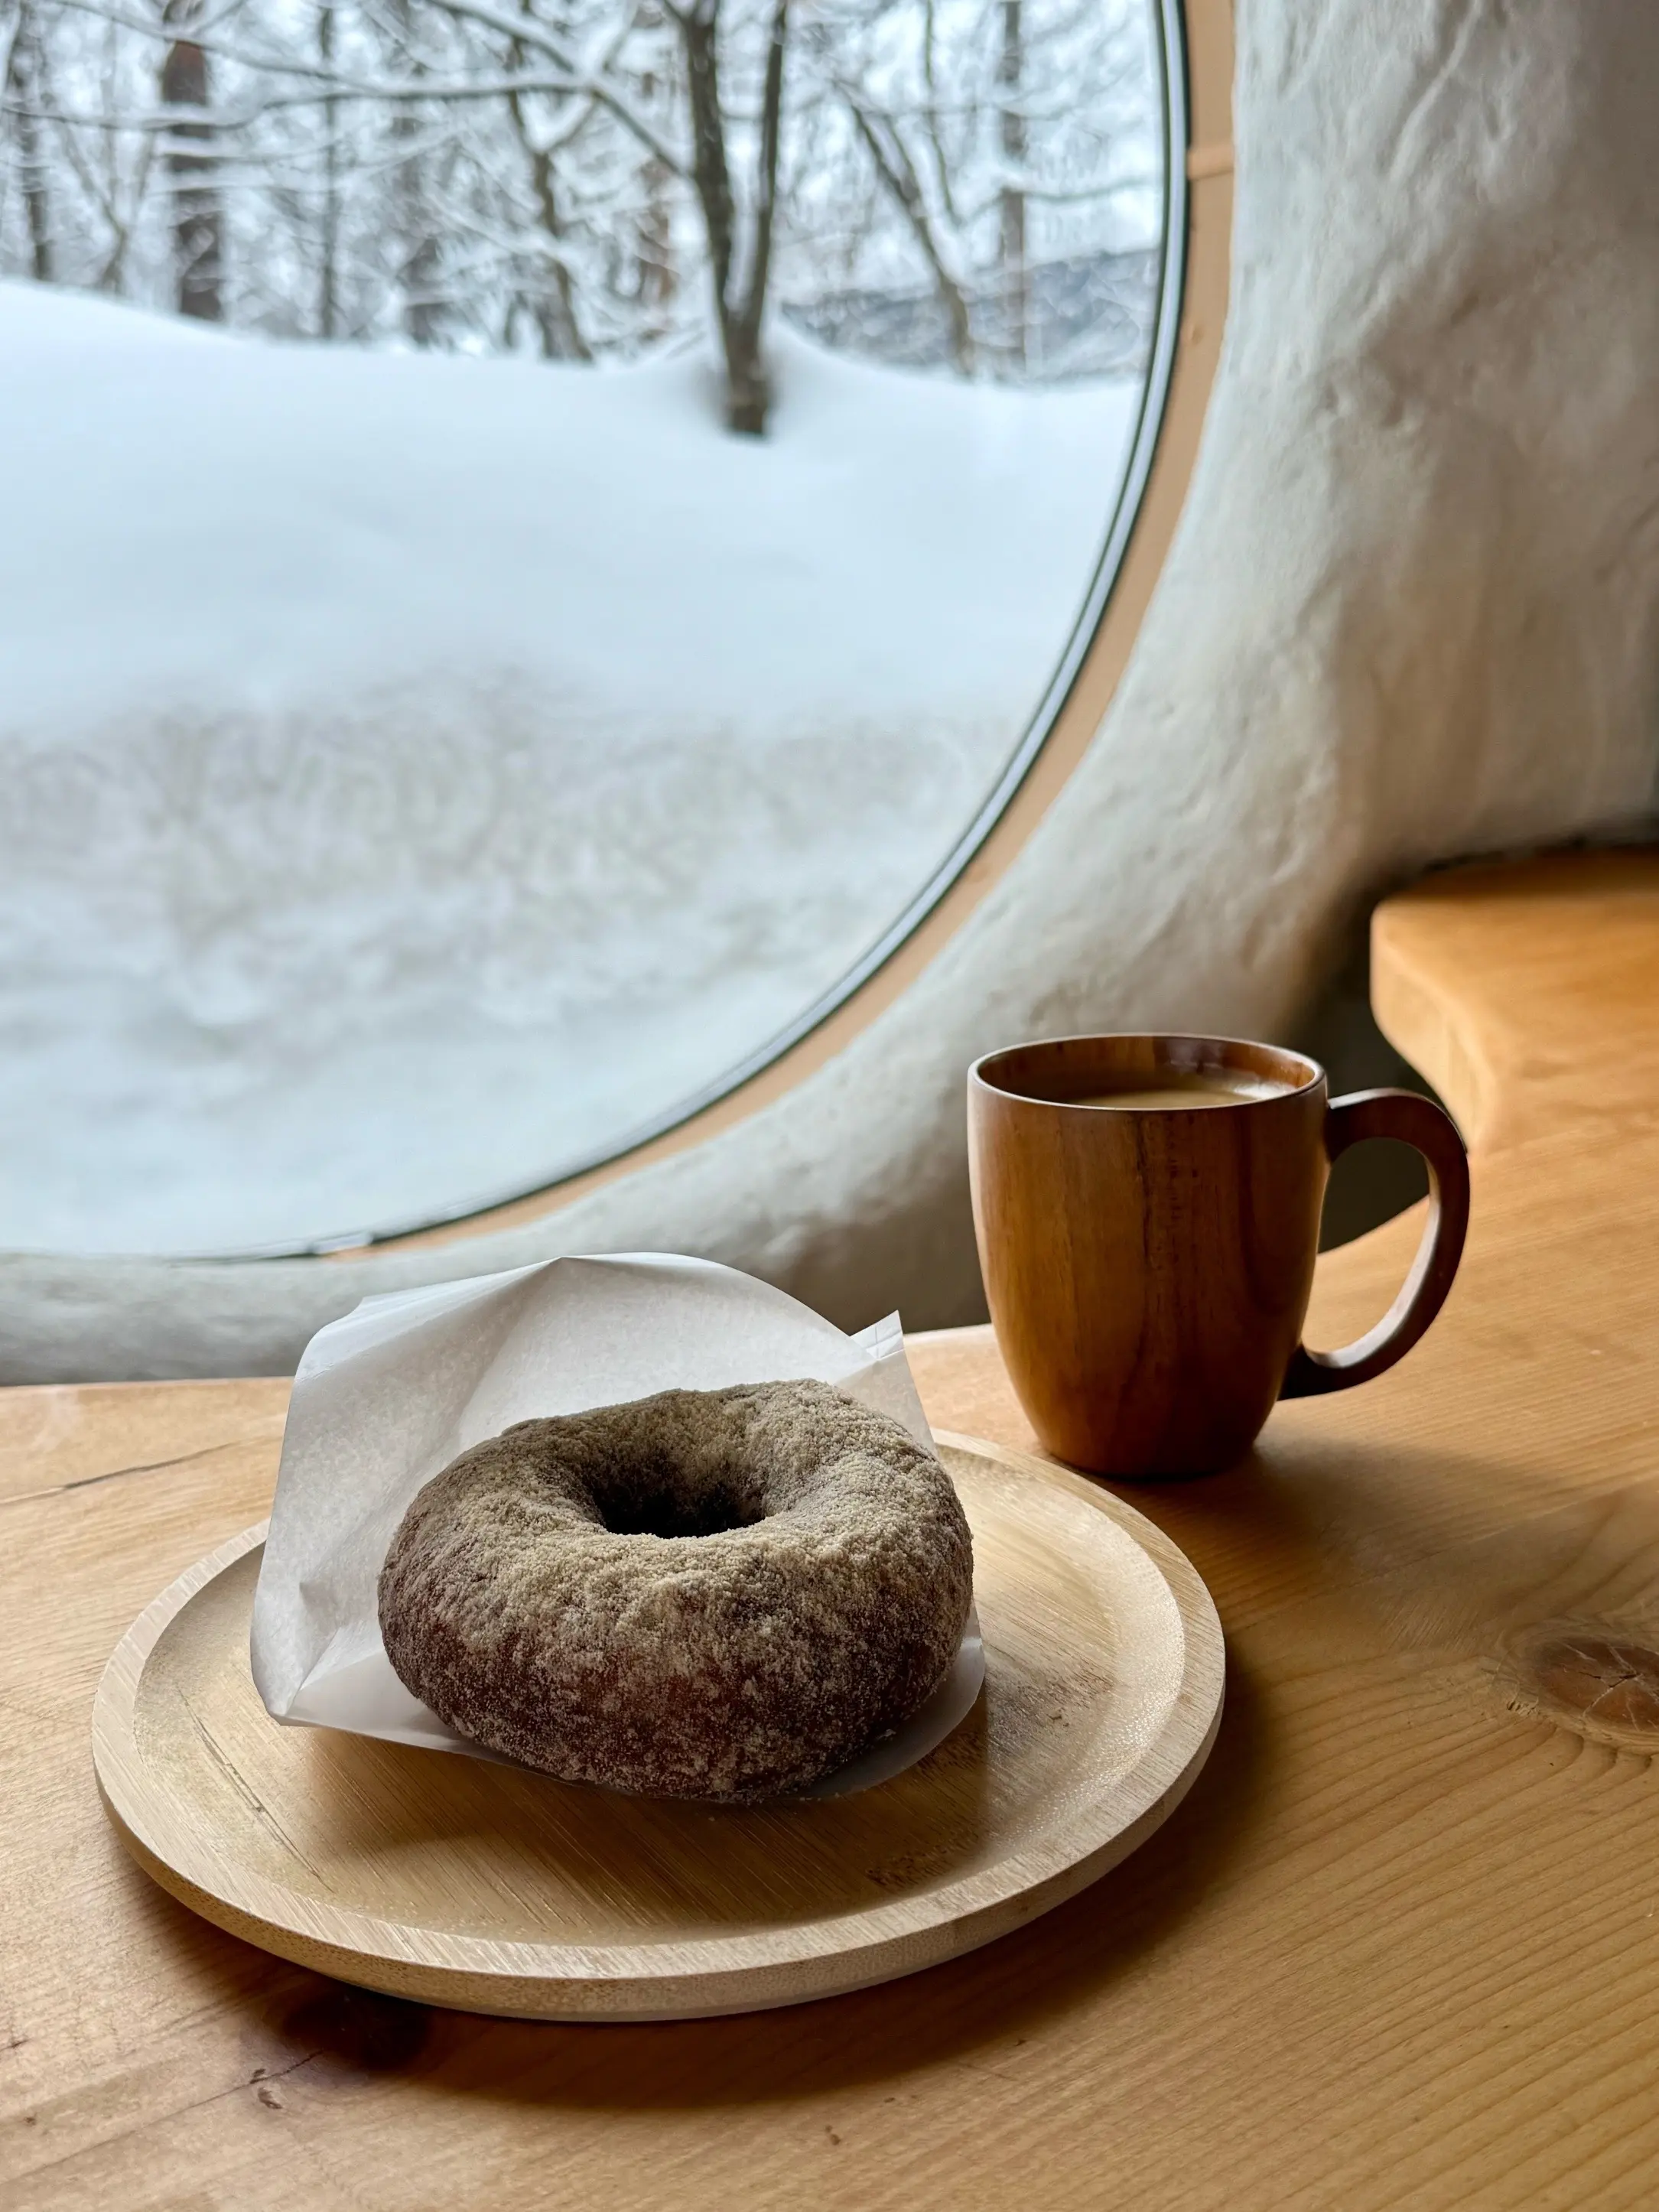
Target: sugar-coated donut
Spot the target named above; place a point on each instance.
(717, 1594)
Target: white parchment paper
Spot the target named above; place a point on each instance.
(386, 1397)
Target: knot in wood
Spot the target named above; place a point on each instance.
(1605, 1686)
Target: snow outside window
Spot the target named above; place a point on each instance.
(536, 534)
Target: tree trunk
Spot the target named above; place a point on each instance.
(699, 26)
(739, 320)
(23, 97)
(656, 279)
(1015, 300)
(749, 395)
(198, 217)
(328, 289)
(417, 272)
(555, 308)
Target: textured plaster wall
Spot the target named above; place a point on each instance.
(1412, 612)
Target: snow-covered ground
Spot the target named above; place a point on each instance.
(419, 771)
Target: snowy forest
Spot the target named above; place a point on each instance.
(971, 185)
(542, 526)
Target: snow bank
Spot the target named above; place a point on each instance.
(422, 770)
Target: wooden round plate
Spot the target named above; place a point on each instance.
(489, 1888)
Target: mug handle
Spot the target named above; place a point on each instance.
(1417, 1122)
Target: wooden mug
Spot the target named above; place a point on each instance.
(1148, 1267)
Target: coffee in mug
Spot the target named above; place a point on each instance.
(1147, 1210)
(1204, 1087)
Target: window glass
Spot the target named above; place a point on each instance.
(539, 533)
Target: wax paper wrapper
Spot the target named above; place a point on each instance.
(386, 1397)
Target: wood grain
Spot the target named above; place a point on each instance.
(439, 1877)
(1398, 1951)
(1559, 1032)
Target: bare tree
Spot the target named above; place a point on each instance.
(417, 269)
(198, 223)
(900, 173)
(994, 128)
(500, 173)
(554, 302)
(657, 280)
(1011, 129)
(739, 267)
(24, 101)
(328, 257)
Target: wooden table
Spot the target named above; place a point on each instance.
(1400, 1948)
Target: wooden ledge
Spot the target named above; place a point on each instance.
(1527, 993)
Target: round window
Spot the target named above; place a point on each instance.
(542, 536)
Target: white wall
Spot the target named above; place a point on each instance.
(1412, 612)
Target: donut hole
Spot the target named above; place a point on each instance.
(664, 1507)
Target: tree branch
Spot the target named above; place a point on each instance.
(897, 172)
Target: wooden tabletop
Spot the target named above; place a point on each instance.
(1399, 1948)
